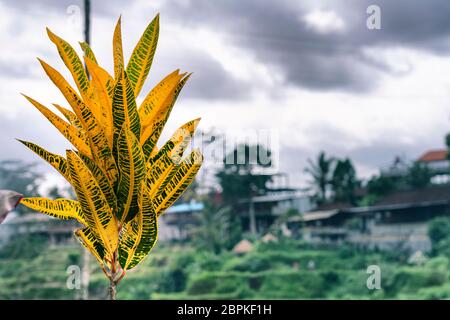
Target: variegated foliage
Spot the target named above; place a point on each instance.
(123, 182)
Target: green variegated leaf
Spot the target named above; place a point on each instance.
(139, 235)
(117, 50)
(100, 82)
(72, 134)
(76, 68)
(156, 98)
(56, 161)
(160, 170)
(161, 167)
(181, 139)
(70, 116)
(66, 89)
(142, 57)
(102, 180)
(98, 141)
(64, 209)
(72, 62)
(96, 211)
(184, 175)
(152, 132)
(90, 241)
(132, 171)
(88, 51)
(124, 109)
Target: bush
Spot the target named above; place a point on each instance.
(202, 284)
(292, 285)
(411, 279)
(439, 231)
(25, 246)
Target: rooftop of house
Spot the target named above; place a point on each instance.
(433, 155)
(276, 197)
(315, 215)
(423, 195)
(429, 196)
(192, 206)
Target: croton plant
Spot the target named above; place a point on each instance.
(122, 180)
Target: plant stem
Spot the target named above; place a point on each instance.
(112, 290)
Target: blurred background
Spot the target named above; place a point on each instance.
(345, 104)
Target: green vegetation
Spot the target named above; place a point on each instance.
(286, 269)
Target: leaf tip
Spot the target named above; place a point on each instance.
(196, 121)
(50, 34)
(119, 22)
(25, 96)
(187, 75)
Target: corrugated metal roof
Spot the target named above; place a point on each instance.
(186, 207)
(276, 197)
(315, 215)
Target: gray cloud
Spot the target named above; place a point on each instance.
(99, 7)
(14, 70)
(379, 155)
(275, 33)
(209, 80)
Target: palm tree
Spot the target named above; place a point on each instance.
(320, 172)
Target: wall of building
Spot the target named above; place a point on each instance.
(399, 236)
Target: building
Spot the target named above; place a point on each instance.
(270, 207)
(178, 220)
(398, 221)
(437, 161)
(55, 231)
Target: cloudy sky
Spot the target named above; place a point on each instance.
(309, 71)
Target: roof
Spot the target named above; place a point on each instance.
(315, 215)
(433, 155)
(430, 194)
(425, 197)
(268, 238)
(275, 197)
(186, 207)
(243, 246)
(333, 206)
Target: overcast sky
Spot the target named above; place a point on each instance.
(311, 71)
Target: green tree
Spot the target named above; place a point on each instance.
(419, 175)
(213, 232)
(320, 171)
(344, 181)
(439, 233)
(447, 143)
(242, 177)
(380, 185)
(239, 178)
